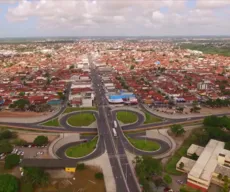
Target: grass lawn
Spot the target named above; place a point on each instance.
(82, 149)
(82, 119)
(126, 117)
(170, 167)
(71, 109)
(52, 122)
(145, 145)
(150, 118)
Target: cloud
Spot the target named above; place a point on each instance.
(98, 17)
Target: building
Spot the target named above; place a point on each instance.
(213, 162)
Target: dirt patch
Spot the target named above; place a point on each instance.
(21, 114)
(30, 136)
(82, 181)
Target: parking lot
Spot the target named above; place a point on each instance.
(32, 152)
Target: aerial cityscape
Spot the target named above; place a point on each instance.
(116, 96)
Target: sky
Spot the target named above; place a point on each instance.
(35, 18)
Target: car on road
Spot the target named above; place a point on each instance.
(180, 182)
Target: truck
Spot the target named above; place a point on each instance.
(115, 123)
(114, 132)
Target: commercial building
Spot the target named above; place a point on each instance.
(212, 165)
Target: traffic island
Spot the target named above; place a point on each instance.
(126, 117)
(52, 123)
(82, 149)
(144, 144)
(151, 119)
(81, 119)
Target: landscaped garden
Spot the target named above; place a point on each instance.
(81, 119)
(142, 144)
(126, 117)
(82, 149)
(52, 122)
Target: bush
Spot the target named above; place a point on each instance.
(167, 179)
(11, 161)
(80, 166)
(19, 142)
(99, 175)
(40, 140)
(8, 183)
(5, 147)
(7, 134)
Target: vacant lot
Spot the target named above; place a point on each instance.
(82, 119)
(52, 122)
(71, 109)
(82, 149)
(126, 117)
(145, 145)
(84, 181)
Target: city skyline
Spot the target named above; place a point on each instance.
(114, 18)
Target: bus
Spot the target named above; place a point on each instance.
(114, 132)
(115, 123)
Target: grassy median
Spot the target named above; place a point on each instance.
(151, 119)
(142, 144)
(81, 119)
(52, 122)
(72, 109)
(83, 149)
(126, 117)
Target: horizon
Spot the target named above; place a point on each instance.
(49, 18)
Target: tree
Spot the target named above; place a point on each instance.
(194, 156)
(227, 145)
(41, 140)
(21, 94)
(11, 161)
(99, 175)
(177, 129)
(167, 179)
(20, 104)
(8, 183)
(6, 134)
(132, 67)
(5, 147)
(181, 165)
(61, 95)
(36, 176)
(220, 176)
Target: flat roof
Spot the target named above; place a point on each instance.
(207, 162)
(195, 149)
(49, 163)
(188, 163)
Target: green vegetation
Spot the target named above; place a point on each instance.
(8, 183)
(167, 179)
(5, 146)
(11, 161)
(82, 119)
(72, 109)
(150, 118)
(142, 144)
(186, 188)
(145, 168)
(52, 122)
(20, 104)
(82, 149)
(36, 176)
(99, 175)
(18, 142)
(6, 134)
(197, 137)
(26, 186)
(81, 166)
(41, 140)
(126, 117)
(208, 49)
(177, 129)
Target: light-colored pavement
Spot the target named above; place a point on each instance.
(104, 164)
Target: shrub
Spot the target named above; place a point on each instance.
(99, 175)
(11, 161)
(80, 166)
